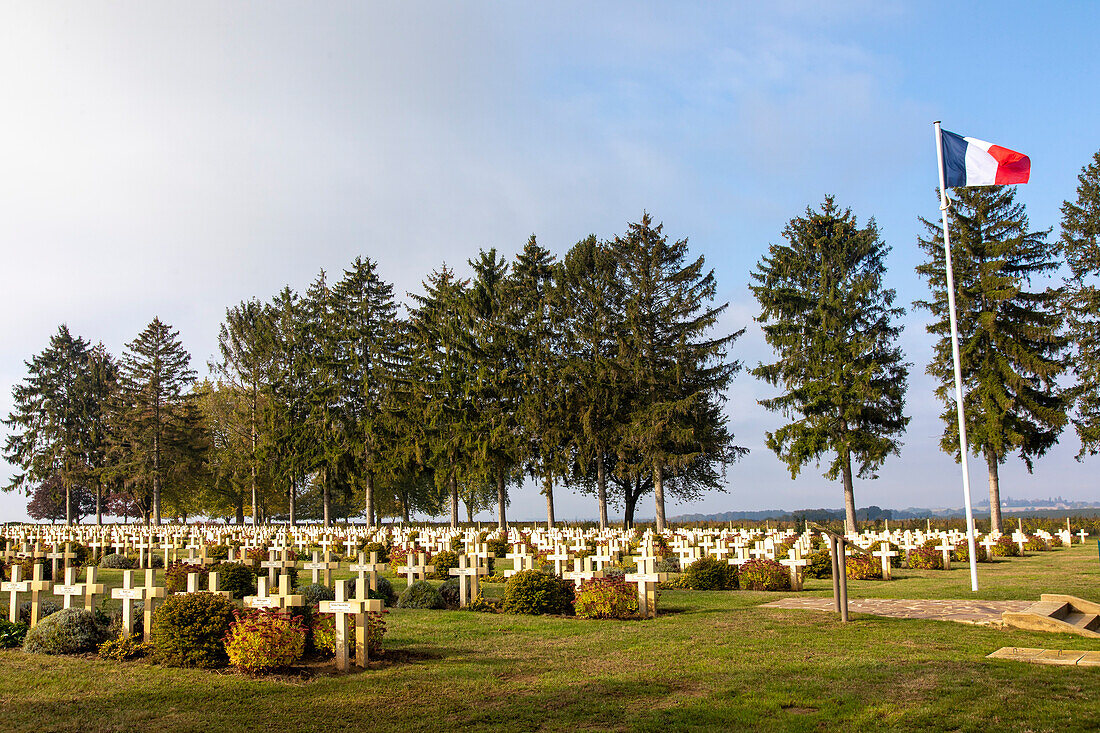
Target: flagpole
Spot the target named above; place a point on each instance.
(970, 533)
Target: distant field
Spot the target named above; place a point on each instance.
(712, 660)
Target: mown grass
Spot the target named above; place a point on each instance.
(712, 660)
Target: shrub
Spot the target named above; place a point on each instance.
(480, 605)
(420, 594)
(46, 607)
(533, 592)
(116, 561)
(821, 565)
(458, 544)
(764, 574)
(324, 634)
(124, 648)
(384, 592)
(443, 562)
(236, 578)
(926, 558)
(1036, 544)
(498, 546)
(863, 567)
(614, 571)
(709, 573)
(670, 564)
(382, 550)
(962, 552)
(217, 552)
(606, 598)
(175, 577)
(137, 613)
(450, 594)
(12, 634)
(69, 631)
(314, 593)
(1005, 547)
(189, 630)
(263, 641)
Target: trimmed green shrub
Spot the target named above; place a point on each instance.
(498, 546)
(46, 607)
(189, 630)
(863, 567)
(236, 578)
(670, 564)
(264, 641)
(962, 552)
(533, 592)
(115, 561)
(480, 605)
(12, 634)
(175, 577)
(1036, 544)
(217, 552)
(821, 565)
(124, 648)
(709, 573)
(606, 598)
(450, 594)
(444, 562)
(314, 593)
(420, 594)
(382, 550)
(764, 574)
(69, 631)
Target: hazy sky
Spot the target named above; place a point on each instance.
(173, 159)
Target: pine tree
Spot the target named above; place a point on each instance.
(101, 392)
(288, 418)
(538, 358)
(676, 372)
(1081, 247)
(496, 447)
(834, 329)
(365, 368)
(589, 297)
(154, 424)
(439, 345)
(51, 432)
(246, 343)
(1010, 336)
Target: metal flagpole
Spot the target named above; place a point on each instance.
(970, 534)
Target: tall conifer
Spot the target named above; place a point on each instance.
(834, 329)
(1010, 331)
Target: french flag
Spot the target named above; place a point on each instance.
(968, 161)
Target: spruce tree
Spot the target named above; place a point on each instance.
(246, 344)
(538, 359)
(1081, 248)
(1010, 331)
(365, 368)
(496, 449)
(675, 369)
(154, 425)
(100, 394)
(834, 329)
(590, 297)
(50, 428)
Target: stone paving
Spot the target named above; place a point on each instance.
(985, 613)
(1063, 657)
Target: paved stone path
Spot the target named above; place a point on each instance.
(986, 613)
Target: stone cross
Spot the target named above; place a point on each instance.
(795, 563)
(351, 545)
(37, 586)
(582, 571)
(989, 543)
(274, 566)
(1020, 539)
(358, 608)
(946, 547)
(213, 585)
(152, 593)
(1082, 534)
(468, 579)
(647, 579)
(885, 553)
(280, 599)
(371, 569)
(15, 586)
(69, 588)
(318, 565)
(128, 593)
(560, 557)
(414, 571)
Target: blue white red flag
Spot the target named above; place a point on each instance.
(968, 161)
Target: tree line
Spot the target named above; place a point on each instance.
(601, 371)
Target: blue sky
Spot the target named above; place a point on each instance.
(174, 159)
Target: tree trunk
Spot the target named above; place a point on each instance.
(326, 497)
(630, 502)
(453, 482)
(156, 464)
(548, 489)
(239, 510)
(405, 507)
(994, 491)
(99, 503)
(502, 500)
(601, 489)
(849, 492)
(368, 491)
(252, 455)
(291, 509)
(469, 512)
(659, 494)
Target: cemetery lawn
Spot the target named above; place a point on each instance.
(711, 661)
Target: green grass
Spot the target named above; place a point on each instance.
(712, 660)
